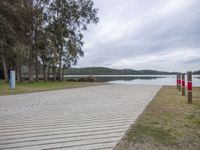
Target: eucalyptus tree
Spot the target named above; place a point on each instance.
(20, 22)
(72, 52)
(39, 23)
(53, 48)
(69, 18)
(47, 32)
(7, 32)
(13, 33)
(20, 54)
(6, 42)
(36, 13)
(45, 51)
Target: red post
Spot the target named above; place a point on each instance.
(183, 84)
(179, 82)
(189, 86)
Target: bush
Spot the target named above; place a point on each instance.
(88, 79)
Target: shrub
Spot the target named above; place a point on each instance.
(88, 79)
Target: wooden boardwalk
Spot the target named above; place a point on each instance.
(91, 118)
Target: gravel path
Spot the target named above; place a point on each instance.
(91, 118)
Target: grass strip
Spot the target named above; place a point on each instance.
(27, 87)
(168, 122)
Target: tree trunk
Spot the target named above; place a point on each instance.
(63, 72)
(17, 73)
(61, 50)
(31, 53)
(31, 63)
(20, 73)
(54, 73)
(48, 75)
(30, 72)
(44, 71)
(60, 65)
(36, 71)
(5, 69)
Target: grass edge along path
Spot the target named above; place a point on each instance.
(168, 123)
(26, 87)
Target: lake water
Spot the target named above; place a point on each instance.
(138, 79)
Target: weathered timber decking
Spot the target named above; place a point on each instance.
(73, 119)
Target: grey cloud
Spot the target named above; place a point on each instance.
(131, 32)
(193, 61)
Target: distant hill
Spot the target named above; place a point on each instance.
(109, 71)
(196, 72)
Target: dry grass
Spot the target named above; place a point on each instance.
(169, 122)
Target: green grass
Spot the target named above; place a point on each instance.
(26, 87)
(168, 122)
(140, 132)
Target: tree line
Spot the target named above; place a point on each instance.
(110, 71)
(47, 33)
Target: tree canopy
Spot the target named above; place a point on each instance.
(43, 35)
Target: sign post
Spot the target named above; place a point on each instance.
(189, 86)
(12, 79)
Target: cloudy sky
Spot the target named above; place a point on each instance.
(144, 34)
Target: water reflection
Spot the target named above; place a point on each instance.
(110, 79)
(138, 79)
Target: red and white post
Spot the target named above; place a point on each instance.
(189, 86)
(183, 84)
(179, 82)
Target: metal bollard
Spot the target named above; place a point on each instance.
(12, 79)
(189, 86)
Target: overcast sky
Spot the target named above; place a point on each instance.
(144, 34)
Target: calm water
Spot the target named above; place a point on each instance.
(138, 79)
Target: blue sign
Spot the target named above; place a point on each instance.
(12, 79)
